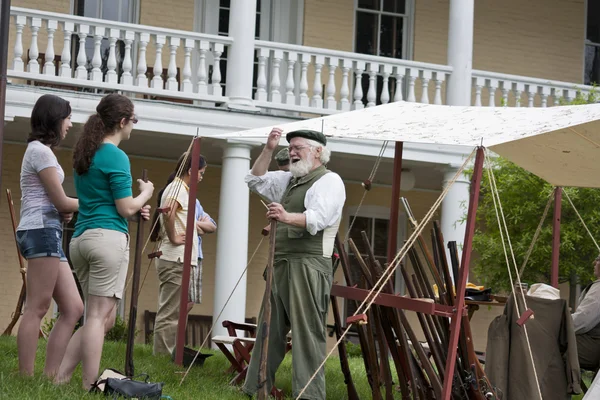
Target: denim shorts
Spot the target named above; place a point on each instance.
(43, 242)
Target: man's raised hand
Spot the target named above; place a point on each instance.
(274, 137)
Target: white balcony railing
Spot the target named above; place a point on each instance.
(92, 54)
(325, 81)
(493, 89)
(101, 54)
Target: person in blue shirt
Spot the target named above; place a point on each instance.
(204, 224)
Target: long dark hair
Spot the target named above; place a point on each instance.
(109, 113)
(186, 167)
(47, 118)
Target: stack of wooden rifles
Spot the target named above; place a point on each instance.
(385, 335)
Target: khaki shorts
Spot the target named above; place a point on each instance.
(100, 259)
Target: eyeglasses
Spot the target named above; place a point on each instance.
(133, 119)
(297, 148)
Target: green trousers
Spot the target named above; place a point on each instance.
(299, 301)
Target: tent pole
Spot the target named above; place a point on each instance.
(187, 252)
(556, 236)
(4, 25)
(395, 203)
(463, 275)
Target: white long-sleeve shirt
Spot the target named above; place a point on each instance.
(324, 200)
(587, 315)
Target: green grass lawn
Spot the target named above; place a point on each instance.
(207, 382)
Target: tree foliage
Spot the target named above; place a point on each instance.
(524, 197)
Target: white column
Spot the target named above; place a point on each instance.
(454, 210)
(240, 55)
(232, 236)
(460, 52)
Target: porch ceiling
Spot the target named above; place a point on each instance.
(351, 167)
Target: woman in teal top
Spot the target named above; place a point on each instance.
(99, 248)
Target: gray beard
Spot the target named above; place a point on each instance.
(302, 167)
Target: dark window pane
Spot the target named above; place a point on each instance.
(257, 27)
(592, 65)
(381, 237)
(369, 4)
(223, 22)
(395, 6)
(257, 5)
(87, 8)
(360, 224)
(391, 36)
(224, 3)
(366, 33)
(593, 21)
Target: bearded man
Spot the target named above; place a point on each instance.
(307, 202)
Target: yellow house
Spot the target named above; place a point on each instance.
(218, 66)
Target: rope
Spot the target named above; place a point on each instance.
(582, 221)
(371, 177)
(221, 312)
(379, 285)
(494, 191)
(536, 234)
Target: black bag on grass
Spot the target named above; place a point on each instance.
(113, 383)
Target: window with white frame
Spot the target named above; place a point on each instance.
(112, 10)
(592, 44)
(375, 224)
(382, 28)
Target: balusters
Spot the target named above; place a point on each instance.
(358, 92)
(33, 65)
(316, 100)
(425, 77)
(157, 81)
(345, 89)
(111, 64)
(518, 89)
(20, 22)
(492, 85)
(544, 92)
(504, 87)
(372, 91)
(331, 102)
(97, 58)
(186, 85)
(275, 78)
(304, 61)
(437, 99)
(172, 84)
(290, 98)
(477, 84)
(65, 57)
(49, 68)
(530, 95)
(142, 80)
(81, 72)
(216, 74)
(399, 75)
(127, 77)
(412, 77)
(385, 89)
(203, 47)
(557, 94)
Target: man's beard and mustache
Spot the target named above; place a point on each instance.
(301, 167)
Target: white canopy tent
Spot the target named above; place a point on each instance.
(559, 144)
